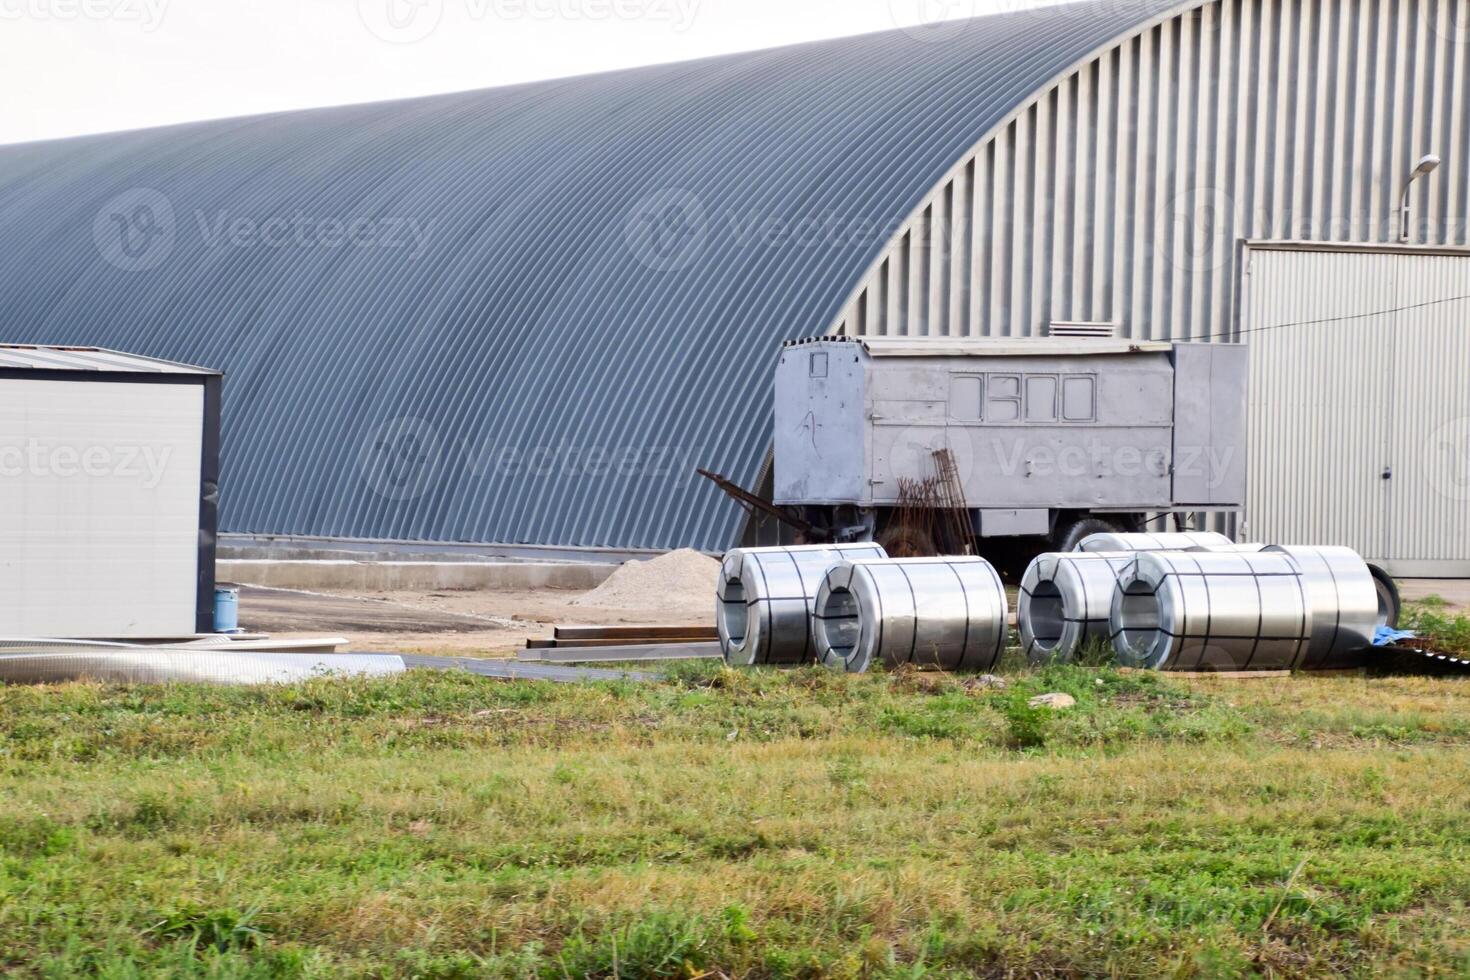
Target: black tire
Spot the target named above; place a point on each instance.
(1069, 536)
(1390, 603)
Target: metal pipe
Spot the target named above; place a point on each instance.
(1163, 541)
(1065, 600)
(764, 596)
(1344, 598)
(948, 613)
(1211, 612)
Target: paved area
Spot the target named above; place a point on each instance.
(1455, 591)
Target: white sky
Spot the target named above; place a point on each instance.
(82, 66)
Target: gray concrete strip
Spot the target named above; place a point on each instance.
(413, 576)
(623, 654)
(511, 670)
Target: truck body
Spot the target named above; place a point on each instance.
(1043, 433)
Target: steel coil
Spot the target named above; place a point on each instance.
(1171, 541)
(1065, 600)
(1344, 598)
(948, 613)
(1211, 612)
(764, 596)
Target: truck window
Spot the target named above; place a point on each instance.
(1079, 398)
(1004, 403)
(966, 397)
(1041, 398)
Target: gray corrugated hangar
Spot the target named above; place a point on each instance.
(524, 315)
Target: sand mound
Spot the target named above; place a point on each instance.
(677, 584)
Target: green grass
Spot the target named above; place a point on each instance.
(751, 824)
(1450, 633)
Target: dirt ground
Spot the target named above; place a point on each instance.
(477, 623)
(496, 623)
(1455, 591)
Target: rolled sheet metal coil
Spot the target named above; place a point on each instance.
(948, 613)
(142, 666)
(1211, 611)
(1065, 601)
(1253, 548)
(1171, 541)
(764, 597)
(1344, 599)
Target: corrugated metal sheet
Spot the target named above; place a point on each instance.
(30, 357)
(1121, 193)
(1360, 406)
(583, 295)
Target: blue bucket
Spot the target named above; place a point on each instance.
(227, 610)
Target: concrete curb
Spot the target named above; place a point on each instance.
(394, 576)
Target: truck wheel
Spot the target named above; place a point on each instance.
(1071, 535)
(901, 541)
(1389, 603)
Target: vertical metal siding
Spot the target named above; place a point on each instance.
(1358, 366)
(1430, 495)
(1120, 193)
(1319, 399)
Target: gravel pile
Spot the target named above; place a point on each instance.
(677, 587)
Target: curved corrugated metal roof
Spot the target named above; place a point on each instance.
(583, 296)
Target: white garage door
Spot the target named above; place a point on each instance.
(1360, 403)
(99, 508)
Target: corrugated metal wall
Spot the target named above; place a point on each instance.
(1124, 193)
(1121, 192)
(1360, 410)
(604, 270)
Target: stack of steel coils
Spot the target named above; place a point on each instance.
(1196, 602)
(851, 607)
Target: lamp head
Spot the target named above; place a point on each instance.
(1427, 164)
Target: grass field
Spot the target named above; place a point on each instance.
(750, 824)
